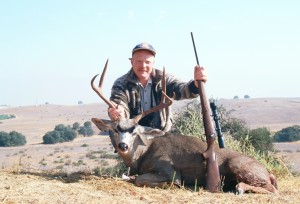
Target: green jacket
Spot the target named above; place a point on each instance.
(126, 93)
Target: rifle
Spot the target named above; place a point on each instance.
(213, 182)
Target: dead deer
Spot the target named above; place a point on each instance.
(160, 159)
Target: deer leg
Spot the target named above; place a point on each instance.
(151, 180)
(243, 188)
(154, 180)
(273, 181)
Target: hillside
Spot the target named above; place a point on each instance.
(273, 113)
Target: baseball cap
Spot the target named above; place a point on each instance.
(144, 46)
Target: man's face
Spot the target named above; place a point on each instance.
(142, 63)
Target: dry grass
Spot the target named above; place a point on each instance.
(82, 188)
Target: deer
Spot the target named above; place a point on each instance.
(160, 159)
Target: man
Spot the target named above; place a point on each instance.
(140, 89)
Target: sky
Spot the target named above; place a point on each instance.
(51, 49)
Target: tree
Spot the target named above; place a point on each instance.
(60, 127)
(236, 97)
(12, 139)
(69, 135)
(4, 139)
(61, 133)
(86, 129)
(246, 97)
(289, 134)
(52, 137)
(234, 126)
(83, 131)
(261, 139)
(76, 126)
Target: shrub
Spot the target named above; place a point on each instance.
(289, 134)
(61, 127)
(61, 133)
(12, 139)
(261, 139)
(52, 137)
(69, 135)
(87, 129)
(5, 117)
(76, 126)
(235, 127)
(188, 121)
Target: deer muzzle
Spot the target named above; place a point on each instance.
(123, 147)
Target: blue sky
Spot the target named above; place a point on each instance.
(50, 50)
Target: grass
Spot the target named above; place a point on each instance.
(84, 187)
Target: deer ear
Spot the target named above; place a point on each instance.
(103, 125)
(150, 133)
(144, 139)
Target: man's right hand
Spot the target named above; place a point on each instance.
(115, 113)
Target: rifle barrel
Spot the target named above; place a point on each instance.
(195, 50)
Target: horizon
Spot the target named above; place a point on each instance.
(102, 102)
(49, 52)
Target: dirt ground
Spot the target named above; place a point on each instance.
(84, 154)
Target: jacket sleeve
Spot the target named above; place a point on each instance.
(182, 90)
(119, 95)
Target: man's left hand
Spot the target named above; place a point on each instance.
(199, 74)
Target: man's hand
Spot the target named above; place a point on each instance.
(199, 74)
(115, 113)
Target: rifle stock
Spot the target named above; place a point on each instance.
(213, 182)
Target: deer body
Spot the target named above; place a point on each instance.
(160, 159)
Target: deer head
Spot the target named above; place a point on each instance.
(129, 136)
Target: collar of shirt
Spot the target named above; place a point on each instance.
(147, 85)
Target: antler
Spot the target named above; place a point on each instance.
(98, 89)
(165, 101)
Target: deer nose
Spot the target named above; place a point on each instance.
(123, 147)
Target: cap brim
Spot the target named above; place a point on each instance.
(153, 52)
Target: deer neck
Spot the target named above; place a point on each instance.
(132, 157)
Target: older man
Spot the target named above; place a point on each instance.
(140, 89)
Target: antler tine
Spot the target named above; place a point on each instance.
(163, 82)
(103, 74)
(165, 101)
(98, 90)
